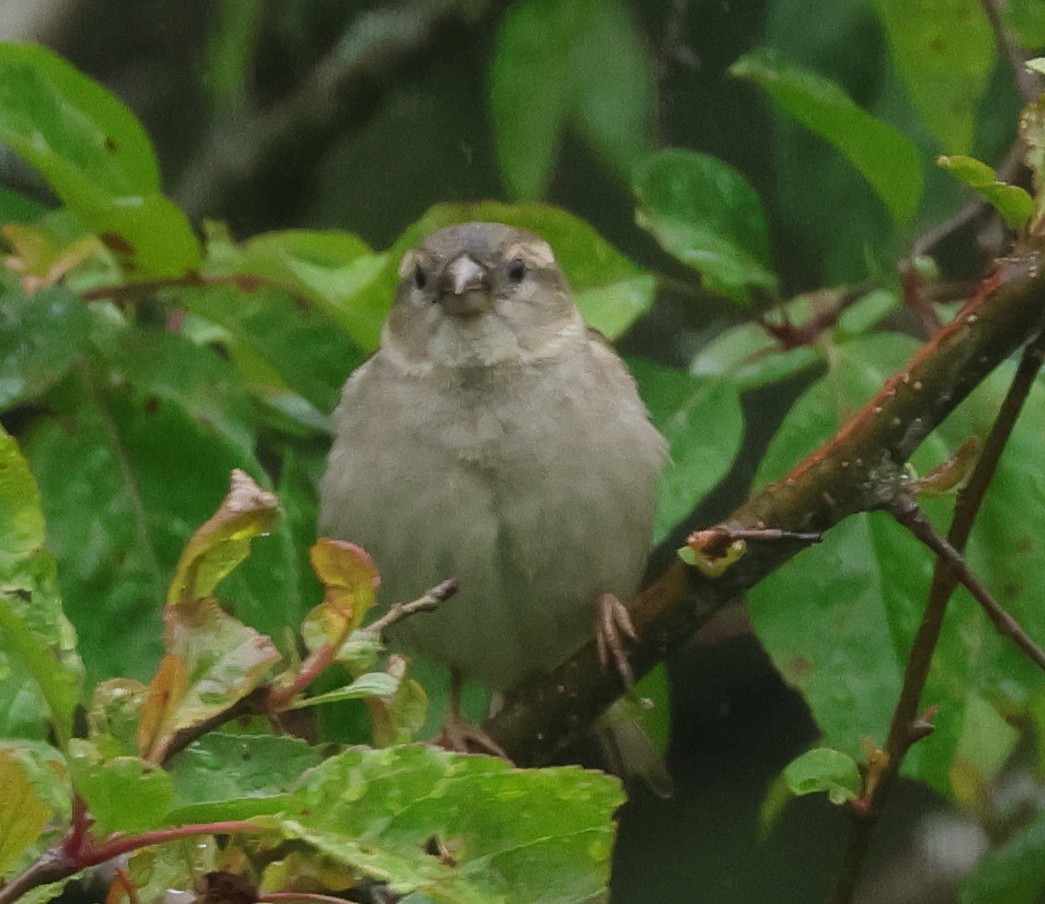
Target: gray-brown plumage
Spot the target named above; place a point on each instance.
(494, 439)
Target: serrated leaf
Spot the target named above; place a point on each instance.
(45, 767)
(704, 425)
(1011, 201)
(824, 770)
(123, 794)
(610, 290)
(96, 157)
(551, 72)
(707, 215)
(886, 158)
(944, 50)
(212, 661)
(223, 541)
(513, 835)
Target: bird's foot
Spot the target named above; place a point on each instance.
(463, 736)
(612, 627)
(460, 733)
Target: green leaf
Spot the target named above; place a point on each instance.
(114, 713)
(150, 461)
(514, 835)
(164, 365)
(124, 794)
(70, 127)
(611, 291)
(329, 269)
(552, 72)
(749, 357)
(372, 684)
(704, 425)
(223, 541)
(25, 812)
(866, 313)
(706, 214)
(268, 323)
(40, 672)
(224, 776)
(45, 767)
(1027, 19)
(230, 48)
(831, 771)
(844, 640)
(1011, 201)
(944, 50)
(613, 308)
(96, 157)
(40, 337)
(614, 93)
(887, 159)
(17, 208)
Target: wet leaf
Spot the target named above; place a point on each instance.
(224, 540)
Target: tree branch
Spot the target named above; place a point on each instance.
(858, 470)
(244, 138)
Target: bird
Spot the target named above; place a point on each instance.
(495, 439)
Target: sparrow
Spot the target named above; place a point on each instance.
(493, 438)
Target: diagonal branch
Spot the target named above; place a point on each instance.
(244, 139)
(857, 470)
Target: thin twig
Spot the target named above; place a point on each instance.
(907, 512)
(279, 897)
(65, 859)
(428, 602)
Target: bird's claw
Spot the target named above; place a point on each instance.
(612, 627)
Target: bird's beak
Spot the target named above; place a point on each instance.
(464, 288)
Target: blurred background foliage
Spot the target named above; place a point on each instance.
(781, 150)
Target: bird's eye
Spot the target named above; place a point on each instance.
(420, 277)
(516, 270)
